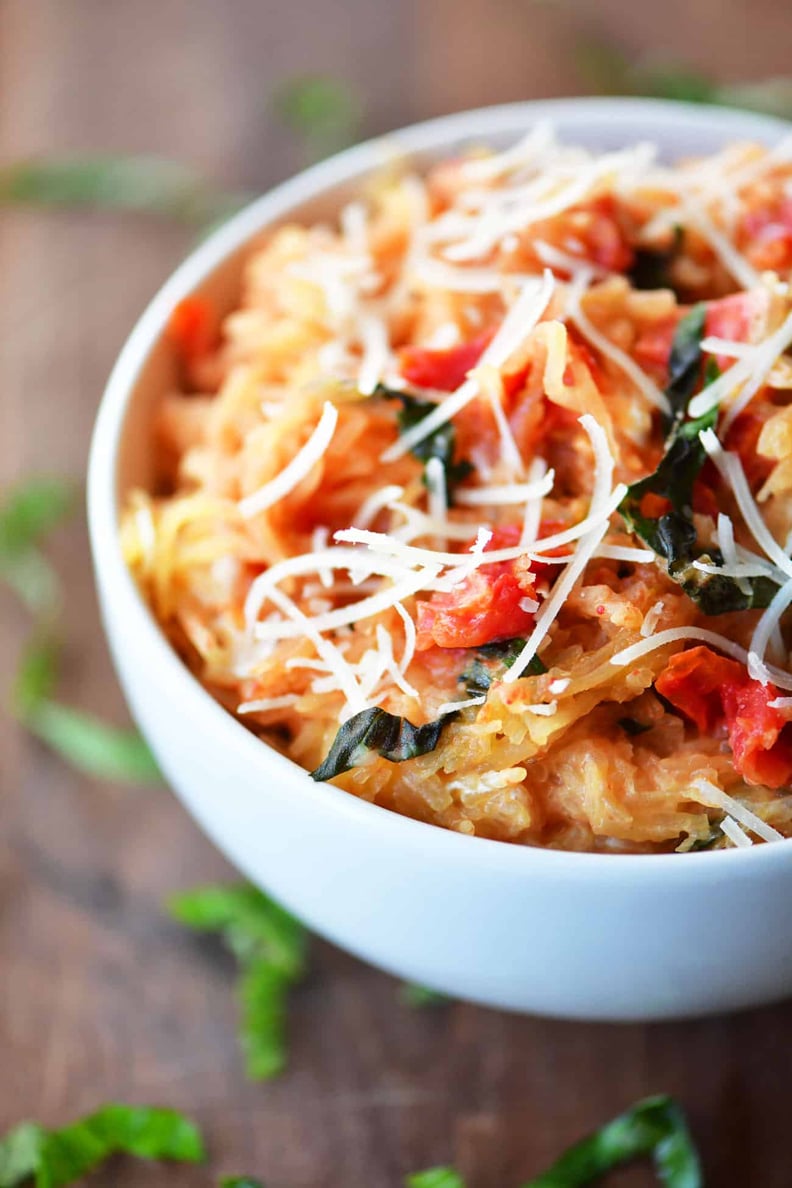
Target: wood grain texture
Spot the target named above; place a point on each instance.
(100, 995)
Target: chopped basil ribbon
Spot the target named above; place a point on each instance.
(435, 1177)
(269, 945)
(684, 361)
(28, 512)
(88, 744)
(390, 736)
(655, 1127)
(413, 994)
(441, 443)
(143, 185)
(56, 1158)
(490, 662)
(673, 534)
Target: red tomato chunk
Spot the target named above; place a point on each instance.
(482, 609)
(711, 691)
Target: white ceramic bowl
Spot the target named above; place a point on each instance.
(573, 935)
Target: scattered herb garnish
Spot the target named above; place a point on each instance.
(146, 185)
(440, 444)
(55, 1158)
(325, 113)
(28, 512)
(684, 361)
(490, 662)
(435, 1177)
(654, 1127)
(269, 945)
(672, 535)
(240, 1182)
(611, 71)
(93, 747)
(413, 994)
(389, 735)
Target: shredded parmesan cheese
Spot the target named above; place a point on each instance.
(734, 833)
(709, 794)
(300, 466)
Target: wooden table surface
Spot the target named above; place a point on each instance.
(100, 995)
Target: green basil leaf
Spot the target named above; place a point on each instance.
(263, 997)
(28, 512)
(413, 994)
(673, 535)
(57, 1158)
(270, 947)
(435, 1177)
(36, 677)
(684, 362)
(325, 113)
(491, 661)
(655, 1127)
(101, 751)
(374, 729)
(147, 185)
(20, 1153)
(440, 444)
(240, 1182)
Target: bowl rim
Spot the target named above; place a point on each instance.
(633, 116)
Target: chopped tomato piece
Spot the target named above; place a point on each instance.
(193, 328)
(653, 346)
(743, 438)
(765, 235)
(445, 369)
(741, 317)
(653, 506)
(604, 238)
(485, 607)
(712, 690)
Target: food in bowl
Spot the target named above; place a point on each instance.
(478, 504)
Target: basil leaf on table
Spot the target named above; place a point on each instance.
(440, 444)
(325, 113)
(270, 948)
(28, 513)
(413, 994)
(56, 1158)
(655, 1127)
(146, 185)
(435, 1177)
(390, 736)
(88, 744)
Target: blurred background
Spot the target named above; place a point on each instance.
(100, 994)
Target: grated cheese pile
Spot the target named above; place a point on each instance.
(479, 503)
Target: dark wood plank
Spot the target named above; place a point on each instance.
(100, 996)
